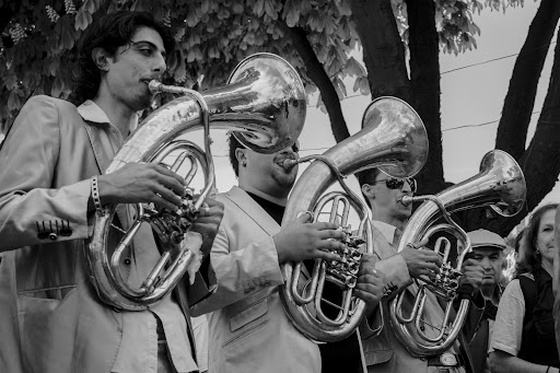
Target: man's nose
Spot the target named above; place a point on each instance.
(160, 64)
(485, 263)
(290, 151)
(406, 189)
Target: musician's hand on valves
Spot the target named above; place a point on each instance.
(423, 262)
(142, 183)
(302, 240)
(370, 282)
(208, 222)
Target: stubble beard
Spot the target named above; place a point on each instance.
(283, 179)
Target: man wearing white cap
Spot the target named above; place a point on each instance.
(488, 251)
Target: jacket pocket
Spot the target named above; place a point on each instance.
(248, 320)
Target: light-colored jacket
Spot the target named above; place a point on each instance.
(249, 331)
(50, 317)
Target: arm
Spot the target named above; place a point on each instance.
(31, 170)
(507, 333)
(247, 260)
(370, 289)
(240, 273)
(502, 362)
(28, 161)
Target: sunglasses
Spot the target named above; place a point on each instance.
(393, 183)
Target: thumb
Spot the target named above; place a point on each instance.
(304, 217)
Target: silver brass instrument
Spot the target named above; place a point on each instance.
(263, 103)
(393, 138)
(500, 184)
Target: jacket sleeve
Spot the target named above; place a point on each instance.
(372, 324)
(28, 165)
(240, 273)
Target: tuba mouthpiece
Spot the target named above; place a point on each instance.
(407, 200)
(289, 163)
(154, 86)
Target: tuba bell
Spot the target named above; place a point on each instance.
(263, 103)
(500, 184)
(394, 138)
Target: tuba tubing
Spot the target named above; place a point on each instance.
(393, 138)
(263, 104)
(500, 184)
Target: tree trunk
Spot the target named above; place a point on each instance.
(541, 161)
(425, 79)
(383, 50)
(316, 72)
(520, 99)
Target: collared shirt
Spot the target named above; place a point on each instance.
(138, 351)
(389, 231)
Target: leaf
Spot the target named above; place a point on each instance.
(82, 20)
(14, 101)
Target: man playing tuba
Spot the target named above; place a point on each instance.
(51, 185)
(384, 353)
(249, 330)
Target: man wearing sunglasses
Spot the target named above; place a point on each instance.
(384, 353)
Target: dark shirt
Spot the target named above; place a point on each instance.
(538, 341)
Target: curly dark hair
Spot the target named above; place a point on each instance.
(111, 32)
(528, 258)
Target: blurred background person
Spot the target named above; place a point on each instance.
(488, 250)
(523, 338)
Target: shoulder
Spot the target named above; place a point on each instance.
(43, 109)
(48, 101)
(513, 291)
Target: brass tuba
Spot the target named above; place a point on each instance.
(263, 103)
(500, 184)
(394, 138)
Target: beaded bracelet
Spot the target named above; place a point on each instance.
(95, 194)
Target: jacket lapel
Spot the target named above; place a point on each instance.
(256, 213)
(253, 210)
(100, 157)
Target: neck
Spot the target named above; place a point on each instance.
(395, 222)
(279, 200)
(120, 115)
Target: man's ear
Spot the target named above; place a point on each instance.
(100, 58)
(367, 189)
(241, 156)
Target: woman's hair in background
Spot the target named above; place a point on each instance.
(111, 32)
(528, 258)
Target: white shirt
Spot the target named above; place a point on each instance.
(508, 327)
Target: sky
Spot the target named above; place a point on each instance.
(473, 85)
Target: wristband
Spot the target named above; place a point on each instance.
(95, 195)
